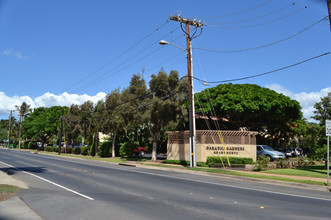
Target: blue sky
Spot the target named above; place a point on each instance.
(63, 52)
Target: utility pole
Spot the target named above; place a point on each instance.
(192, 140)
(329, 9)
(9, 131)
(61, 131)
(20, 132)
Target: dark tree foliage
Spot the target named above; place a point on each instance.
(43, 123)
(252, 107)
(323, 109)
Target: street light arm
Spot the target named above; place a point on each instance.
(163, 42)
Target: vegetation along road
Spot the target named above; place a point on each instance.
(63, 188)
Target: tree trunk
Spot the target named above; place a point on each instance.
(113, 146)
(154, 152)
(96, 142)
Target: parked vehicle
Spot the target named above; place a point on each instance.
(288, 152)
(139, 151)
(298, 151)
(268, 152)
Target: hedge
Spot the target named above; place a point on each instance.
(233, 160)
(83, 150)
(126, 150)
(76, 150)
(51, 149)
(104, 149)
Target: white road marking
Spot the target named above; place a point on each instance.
(48, 181)
(199, 181)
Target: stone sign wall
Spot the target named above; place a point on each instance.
(209, 143)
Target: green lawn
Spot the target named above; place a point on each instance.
(317, 171)
(8, 189)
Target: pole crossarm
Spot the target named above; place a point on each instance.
(193, 22)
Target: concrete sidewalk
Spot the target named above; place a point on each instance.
(14, 208)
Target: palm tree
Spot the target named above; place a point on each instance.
(23, 110)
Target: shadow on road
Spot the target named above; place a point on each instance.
(12, 171)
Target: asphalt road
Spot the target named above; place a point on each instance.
(61, 188)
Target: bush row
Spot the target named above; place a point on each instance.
(214, 161)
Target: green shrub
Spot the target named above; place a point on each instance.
(104, 149)
(83, 150)
(233, 160)
(262, 163)
(69, 150)
(126, 150)
(32, 145)
(283, 163)
(77, 150)
(303, 162)
(25, 145)
(91, 150)
(51, 149)
(184, 163)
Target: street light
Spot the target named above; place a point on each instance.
(192, 140)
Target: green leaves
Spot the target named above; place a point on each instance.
(250, 106)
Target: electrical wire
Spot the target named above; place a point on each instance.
(265, 45)
(241, 12)
(264, 23)
(121, 54)
(106, 74)
(165, 61)
(257, 17)
(262, 74)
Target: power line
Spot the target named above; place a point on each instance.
(264, 23)
(257, 17)
(121, 54)
(262, 46)
(106, 76)
(262, 74)
(240, 12)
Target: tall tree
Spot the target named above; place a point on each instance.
(73, 128)
(23, 110)
(164, 113)
(113, 120)
(253, 107)
(43, 123)
(323, 109)
(322, 113)
(86, 120)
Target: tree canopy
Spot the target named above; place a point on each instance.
(323, 109)
(43, 123)
(249, 106)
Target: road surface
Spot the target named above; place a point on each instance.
(64, 188)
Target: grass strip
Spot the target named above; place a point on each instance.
(317, 171)
(236, 173)
(8, 189)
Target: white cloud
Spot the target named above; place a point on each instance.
(47, 100)
(13, 53)
(306, 100)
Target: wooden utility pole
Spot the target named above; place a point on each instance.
(61, 131)
(20, 132)
(9, 131)
(329, 9)
(197, 24)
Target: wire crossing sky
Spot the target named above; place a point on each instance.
(64, 52)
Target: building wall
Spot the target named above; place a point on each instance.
(212, 143)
